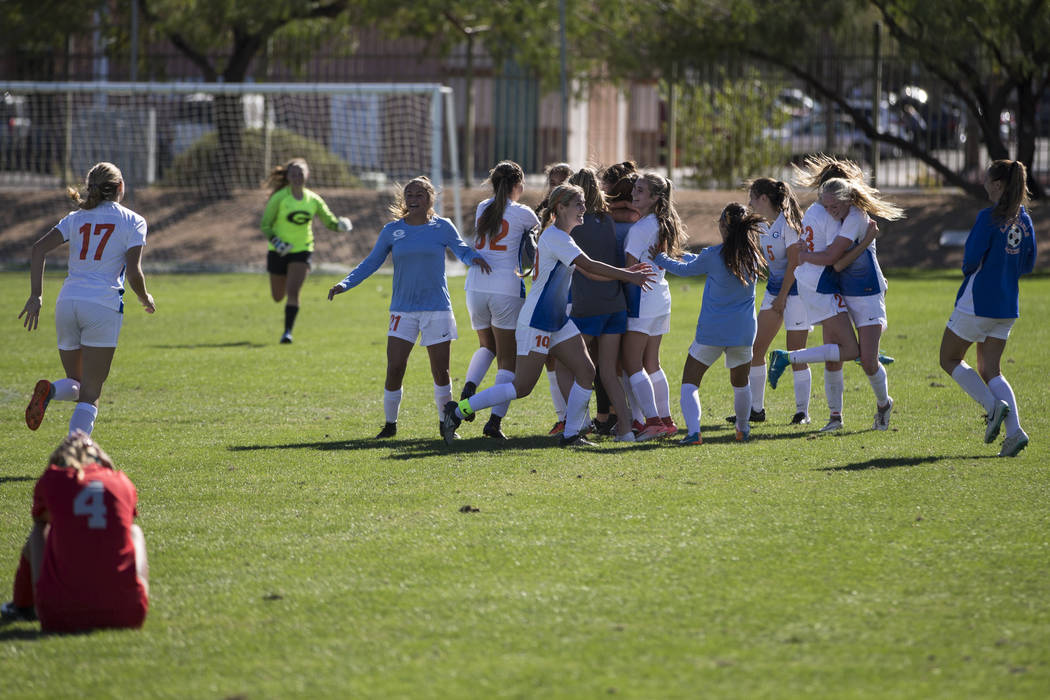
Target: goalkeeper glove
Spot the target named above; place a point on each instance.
(345, 225)
(282, 247)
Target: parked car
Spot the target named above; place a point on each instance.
(804, 135)
(939, 124)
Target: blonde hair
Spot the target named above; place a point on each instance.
(818, 168)
(1014, 177)
(671, 238)
(101, 184)
(278, 177)
(399, 209)
(76, 451)
(861, 196)
(560, 196)
(593, 197)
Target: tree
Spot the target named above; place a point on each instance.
(987, 53)
(223, 37)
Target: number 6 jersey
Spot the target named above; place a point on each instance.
(99, 240)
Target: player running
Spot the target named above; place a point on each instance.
(105, 248)
(286, 223)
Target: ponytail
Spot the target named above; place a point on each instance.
(1014, 176)
(740, 249)
(101, 184)
(504, 178)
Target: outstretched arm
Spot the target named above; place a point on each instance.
(45, 244)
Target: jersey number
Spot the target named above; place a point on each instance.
(494, 241)
(103, 230)
(91, 501)
(808, 238)
(395, 321)
(543, 341)
(769, 252)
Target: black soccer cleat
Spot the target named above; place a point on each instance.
(389, 430)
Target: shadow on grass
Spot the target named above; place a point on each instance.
(893, 462)
(19, 633)
(5, 479)
(415, 448)
(197, 346)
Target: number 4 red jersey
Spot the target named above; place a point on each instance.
(88, 577)
(99, 240)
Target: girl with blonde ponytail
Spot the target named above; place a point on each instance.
(105, 250)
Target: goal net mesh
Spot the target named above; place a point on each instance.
(195, 157)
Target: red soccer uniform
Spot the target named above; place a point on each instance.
(88, 577)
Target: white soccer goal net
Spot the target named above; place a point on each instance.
(194, 156)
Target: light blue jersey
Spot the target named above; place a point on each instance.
(727, 312)
(419, 263)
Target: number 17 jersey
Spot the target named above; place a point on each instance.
(99, 240)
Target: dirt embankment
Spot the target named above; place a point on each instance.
(188, 230)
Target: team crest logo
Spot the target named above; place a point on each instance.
(1013, 236)
(299, 217)
(398, 234)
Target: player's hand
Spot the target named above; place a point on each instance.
(336, 289)
(282, 247)
(32, 313)
(779, 304)
(483, 264)
(345, 224)
(643, 274)
(148, 303)
(654, 250)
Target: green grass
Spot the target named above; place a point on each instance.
(291, 556)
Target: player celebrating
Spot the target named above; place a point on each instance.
(106, 242)
(543, 324)
(286, 223)
(420, 306)
(649, 316)
(1000, 248)
(860, 278)
(494, 300)
(774, 201)
(727, 314)
(84, 565)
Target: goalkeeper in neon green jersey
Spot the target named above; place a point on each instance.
(286, 223)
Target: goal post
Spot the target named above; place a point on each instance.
(218, 137)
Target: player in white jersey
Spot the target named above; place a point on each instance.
(649, 312)
(819, 290)
(495, 299)
(774, 201)
(105, 247)
(861, 282)
(544, 327)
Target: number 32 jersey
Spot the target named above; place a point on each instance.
(89, 556)
(99, 240)
(501, 251)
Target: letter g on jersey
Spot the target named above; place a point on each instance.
(299, 217)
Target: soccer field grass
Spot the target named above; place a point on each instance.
(293, 556)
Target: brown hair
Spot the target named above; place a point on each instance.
(101, 184)
(671, 238)
(399, 209)
(278, 177)
(781, 197)
(563, 170)
(76, 451)
(861, 196)
(504, 178)
(593, 197)
(621, 190)
(817, 169)
(615, 173)
(1014, 177)
(740, 249)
